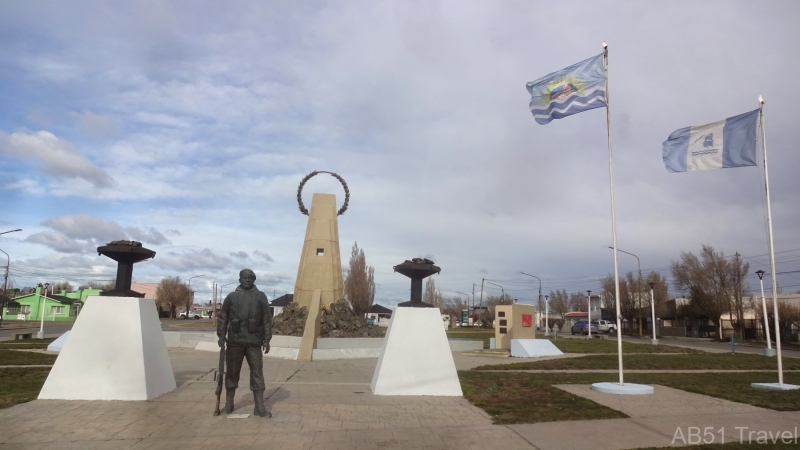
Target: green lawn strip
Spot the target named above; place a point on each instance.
(16, 358)
(522, 398)
(519, 397)
(707, 361)
(731, 446)
(728, 386)
(20, 385)
(27, 343)
(569, 345)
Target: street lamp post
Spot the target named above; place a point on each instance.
(43, 305)
(546, 316)
(5, 282)
(503, 295)
(639, 266)
(539, 298)
(589, 314)
(653, 308)
(191, 294)
(5, 287)
(767, 351)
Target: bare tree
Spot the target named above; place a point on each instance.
(714, 282)
(627, 296)
(660, 288)
(359, 286)
(60, 286)
(173, 292)
(559, 302)
(577, 301)
(99, 285)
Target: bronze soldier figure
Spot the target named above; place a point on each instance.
(244, 324)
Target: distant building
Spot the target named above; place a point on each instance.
(62, 307)
(279, 303)
(380, 315)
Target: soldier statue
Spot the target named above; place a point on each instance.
(244, 324)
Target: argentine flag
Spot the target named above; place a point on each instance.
(578, 88)
(727, 143)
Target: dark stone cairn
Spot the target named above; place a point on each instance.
(126, 254)
(417, 269)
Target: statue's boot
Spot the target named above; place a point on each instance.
(260, 410)
(229, 394)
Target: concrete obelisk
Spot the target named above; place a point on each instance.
(319, 275)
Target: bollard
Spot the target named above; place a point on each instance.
(733, 343)
(555, 333)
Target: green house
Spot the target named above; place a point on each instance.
(62, 307)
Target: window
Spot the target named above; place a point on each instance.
(56, 310)
(502, 331)
(320, 251)
(503, 322)
(12, 310)
(501, 313)
(25, 309)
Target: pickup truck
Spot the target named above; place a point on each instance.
(605, 326)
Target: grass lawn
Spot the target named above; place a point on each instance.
(570, 345)
(20, 385)
(27, 343)
(518, 397)
(15, 358)
(706, 361)
(522, 398)
(729, 446)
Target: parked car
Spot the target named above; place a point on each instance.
(581, 327)
(606, 326)
(194, 315)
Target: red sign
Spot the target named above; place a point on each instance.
(527, 320)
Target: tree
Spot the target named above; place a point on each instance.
(431, 295)
(660, 288)
(107, 286)
(627, 301)
(716, 280)
(359, 286)
(173, 292)
(559, 302)
(60, 286)
(577, 301)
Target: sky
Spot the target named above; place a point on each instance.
(188, 126)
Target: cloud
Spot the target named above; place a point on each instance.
(193, 260)
(173, 232)
(83, 233)
(60, 243)
(91, 124)
(240, 255)
(264, 255)
(56, 156)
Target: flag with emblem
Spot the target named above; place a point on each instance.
(578, 88)
(719, 145)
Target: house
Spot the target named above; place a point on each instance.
(279, 303)
(571, 318)
(61, 307)
(380, 315)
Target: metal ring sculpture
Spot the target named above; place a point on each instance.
(308, 177)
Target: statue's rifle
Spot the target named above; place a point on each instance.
(219, 377)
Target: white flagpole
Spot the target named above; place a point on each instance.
(771, 246)
(613, 218)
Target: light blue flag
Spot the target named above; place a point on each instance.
(578, 88)
(727, 143)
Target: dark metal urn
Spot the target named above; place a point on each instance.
(417, 269)
(126, 254)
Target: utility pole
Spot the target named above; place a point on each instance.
(5, 287)
(480, 306)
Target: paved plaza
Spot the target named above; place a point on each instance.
(328, 405)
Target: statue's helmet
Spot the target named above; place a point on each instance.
(247, 272)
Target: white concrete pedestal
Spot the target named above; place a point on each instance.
(532, 348)
(653, 341)
(415, 358)
(775, 386)
(770, 352)
(625, 389)
(58, 344)
(115, 351)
